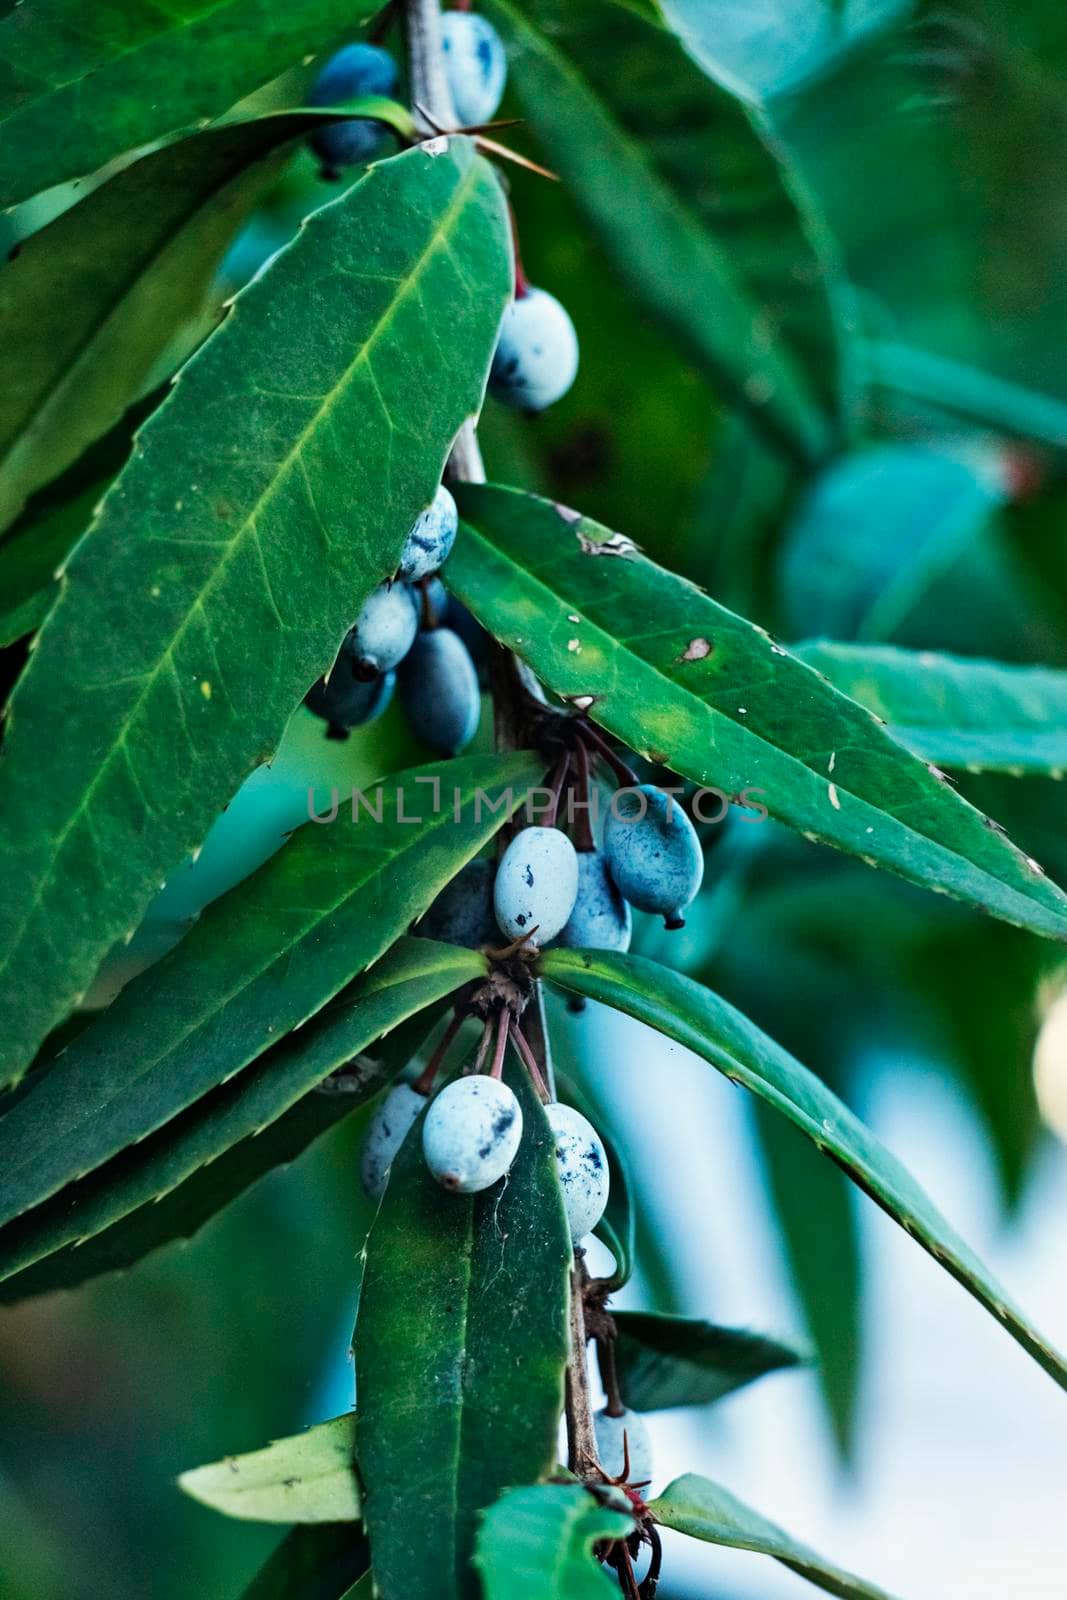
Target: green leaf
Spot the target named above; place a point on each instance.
(607, 91)
(704, 1510)
(115, 77)
(327, 1561)
(982, 715)
(698, 1019)
(169, 1184)
(308, 1477)
(665, 1361)
(260, 962)
(461, 1345)
(873, 532)
(690, 685)
(537, 1543)
(265, 499)
(136, 260)
(930, 379)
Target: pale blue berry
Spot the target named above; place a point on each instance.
(463, 911)
(471, 1134)
(653, 852)
(601, 918)
(355, 71)
(439, 689)
(582, 1165)
(431, 539)
(475, 65)
(618, 1436)
(384, 631)
(536, 358)
(386, 1133)
(536, 884)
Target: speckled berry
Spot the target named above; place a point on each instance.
(536, 358)
(344, 701)
(386, 1133)
(601, 918)
(463, 911)
(440, 693)
(357, 70)
(471, 1134)
(536, 884)
(431, 539)
(609, 1432)
(653, 852)
(384, 631)
(475, 65)
(582, 1164)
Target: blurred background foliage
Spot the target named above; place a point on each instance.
(886, 181)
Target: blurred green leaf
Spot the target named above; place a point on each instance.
(688, 204)
(537, 1543)
(461, 1344)
(871, 533)
(698, 1019)
(114, 77)
(168, 1185)
(704, 1510)
(665, 1361)
(308, 1477)
(323, 1562)
(967, 393)
(713, 698)
(264, 501)
(136, 259)
(260, 962)
(982, 715)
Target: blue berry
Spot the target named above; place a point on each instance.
(439, 689)
(471, 1134)
(470, 630)
(344, 701)
(536, 884)
(357, 70)
(536, 358)
(601, 918)
(653, 852)
(475, 65)
(387, 1131)
(463, 911)
(431, 539)
(384, 631)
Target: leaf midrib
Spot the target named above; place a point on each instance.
(440, 235)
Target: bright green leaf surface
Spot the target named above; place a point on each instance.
(702, 1509)
(167, 1185)
(135, 260)
(536, 1543)
(665, 1361)
(112, 77)
(264, 500)
(461, 1344)
(958, 712)
(308, 1477)
(689, 206)
(689, 684)
(697, 1018)
(260, 961)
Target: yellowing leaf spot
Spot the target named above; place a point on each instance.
(205, 689)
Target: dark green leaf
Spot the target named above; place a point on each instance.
(264, 500)
(703, 1510)
(308, 1477)
(327, 1562)
(80, 85)
(687, 202)
(977, 397)
(260, 962)
(461, 1344)
(136, 260)
(958, 712)
(692, 686)
(698, 1019)
(537, 1544)
(169, 1184)
(667, 1361)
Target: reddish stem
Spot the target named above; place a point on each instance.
(529, 1061)
(522, 282)
(424, 1082)
(582, 825)
(625, 774)
(483, 1046)
(497, 1068)
(555, 784)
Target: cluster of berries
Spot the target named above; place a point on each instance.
(536, 358)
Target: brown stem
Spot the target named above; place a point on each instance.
(502, 1028)
(535, 1031)
(424, 1082)
(625, 774)
(529, 1061)
(581, 1439)
(555, 784)
(483, 1046)
(609, 1377)
(581, 824)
